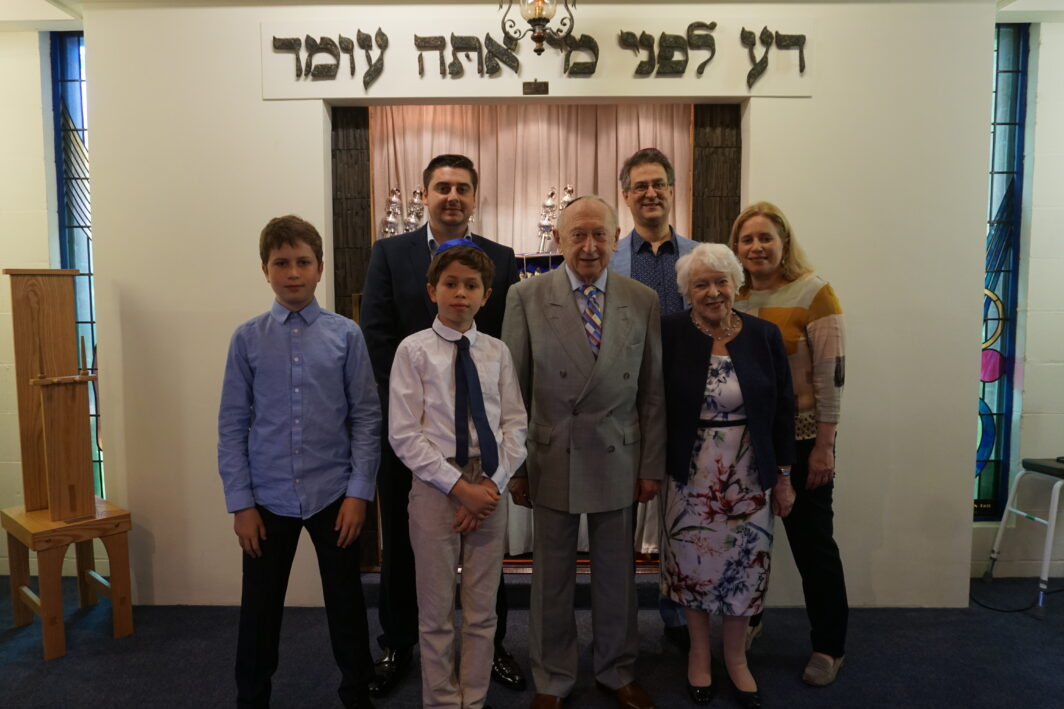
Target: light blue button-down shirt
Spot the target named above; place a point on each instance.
(299, 423)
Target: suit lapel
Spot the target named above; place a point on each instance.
(616, 322)
(418, 258)
(564, 319)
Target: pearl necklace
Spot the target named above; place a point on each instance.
(726, 332)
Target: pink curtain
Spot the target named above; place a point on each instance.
(521, 151)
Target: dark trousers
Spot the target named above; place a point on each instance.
(262, 605)
(398, 590)
(810, 533)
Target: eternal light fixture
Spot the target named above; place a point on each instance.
(538, 13)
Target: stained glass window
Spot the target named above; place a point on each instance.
(75, 205)
(1002, 270)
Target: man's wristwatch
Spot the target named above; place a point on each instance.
(785, 472)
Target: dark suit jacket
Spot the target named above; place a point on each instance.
(396, 304)
(765, 380)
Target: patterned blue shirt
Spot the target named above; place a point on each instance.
(299, 424)
(658, 271)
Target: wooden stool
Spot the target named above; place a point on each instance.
(50, 539)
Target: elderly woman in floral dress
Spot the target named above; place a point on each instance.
(730, 445)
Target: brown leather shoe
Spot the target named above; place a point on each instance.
(630, 696)
(546, 701)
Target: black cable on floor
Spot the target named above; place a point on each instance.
(976, 601)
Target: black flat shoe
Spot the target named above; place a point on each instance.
(700, 695)
(506, 671)
(749, 700)
(390, 670)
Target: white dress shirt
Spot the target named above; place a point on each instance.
(421, 404)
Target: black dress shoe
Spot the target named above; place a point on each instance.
(506, 671)
(700, 695)
(678, 636)
(749, 700)
(390, 670)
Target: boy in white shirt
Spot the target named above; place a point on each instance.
(457, 420)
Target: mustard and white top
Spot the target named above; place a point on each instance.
(808, 313)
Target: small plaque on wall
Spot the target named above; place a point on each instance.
(535, 88)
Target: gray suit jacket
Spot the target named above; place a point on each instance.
(595, 425)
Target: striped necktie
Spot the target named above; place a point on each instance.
(592, 316)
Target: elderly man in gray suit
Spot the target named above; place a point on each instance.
(587, 351)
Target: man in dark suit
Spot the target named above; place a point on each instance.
(395, 304)
(586, 345)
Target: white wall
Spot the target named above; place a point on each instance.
(882, 172)
(1042, 420)
(26, 217)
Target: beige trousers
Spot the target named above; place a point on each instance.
(438, 553)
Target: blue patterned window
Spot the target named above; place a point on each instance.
(1002, 270)
(75, 205)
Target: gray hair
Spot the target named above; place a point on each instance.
(715, 257)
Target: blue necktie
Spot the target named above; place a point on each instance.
(468, 395)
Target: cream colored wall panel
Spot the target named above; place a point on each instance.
(1043, 388)
(8, 398)
(1047, 229)
(24, 239)
(1050, 114)
(1048, 174)
(7, 339)
(1045, 288)
(1042, 436)
(1043, 336)
(9, 439)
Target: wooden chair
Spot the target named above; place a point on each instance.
(60, 508)
(36, 531)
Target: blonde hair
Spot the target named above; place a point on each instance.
(795, 263)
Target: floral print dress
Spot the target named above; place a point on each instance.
(718, 525)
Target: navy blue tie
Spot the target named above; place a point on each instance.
(467, 396)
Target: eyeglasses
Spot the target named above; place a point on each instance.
(642, 187)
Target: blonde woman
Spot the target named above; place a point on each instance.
(782, 288)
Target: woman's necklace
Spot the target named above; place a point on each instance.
(725, 332)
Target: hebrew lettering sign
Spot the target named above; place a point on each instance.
(689, 56)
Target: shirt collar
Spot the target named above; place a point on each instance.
(453, 335)
(309, 313)
(576, 284)
(432, 239)
(640, 244)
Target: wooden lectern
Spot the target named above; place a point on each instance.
(60, 508)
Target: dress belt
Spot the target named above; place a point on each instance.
(714, 423)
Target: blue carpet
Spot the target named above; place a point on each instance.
(181, 656)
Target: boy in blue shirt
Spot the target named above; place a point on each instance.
(298, 446)
(457, 420)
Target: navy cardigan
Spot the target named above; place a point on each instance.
(765, 380)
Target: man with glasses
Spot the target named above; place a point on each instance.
(649, 254)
